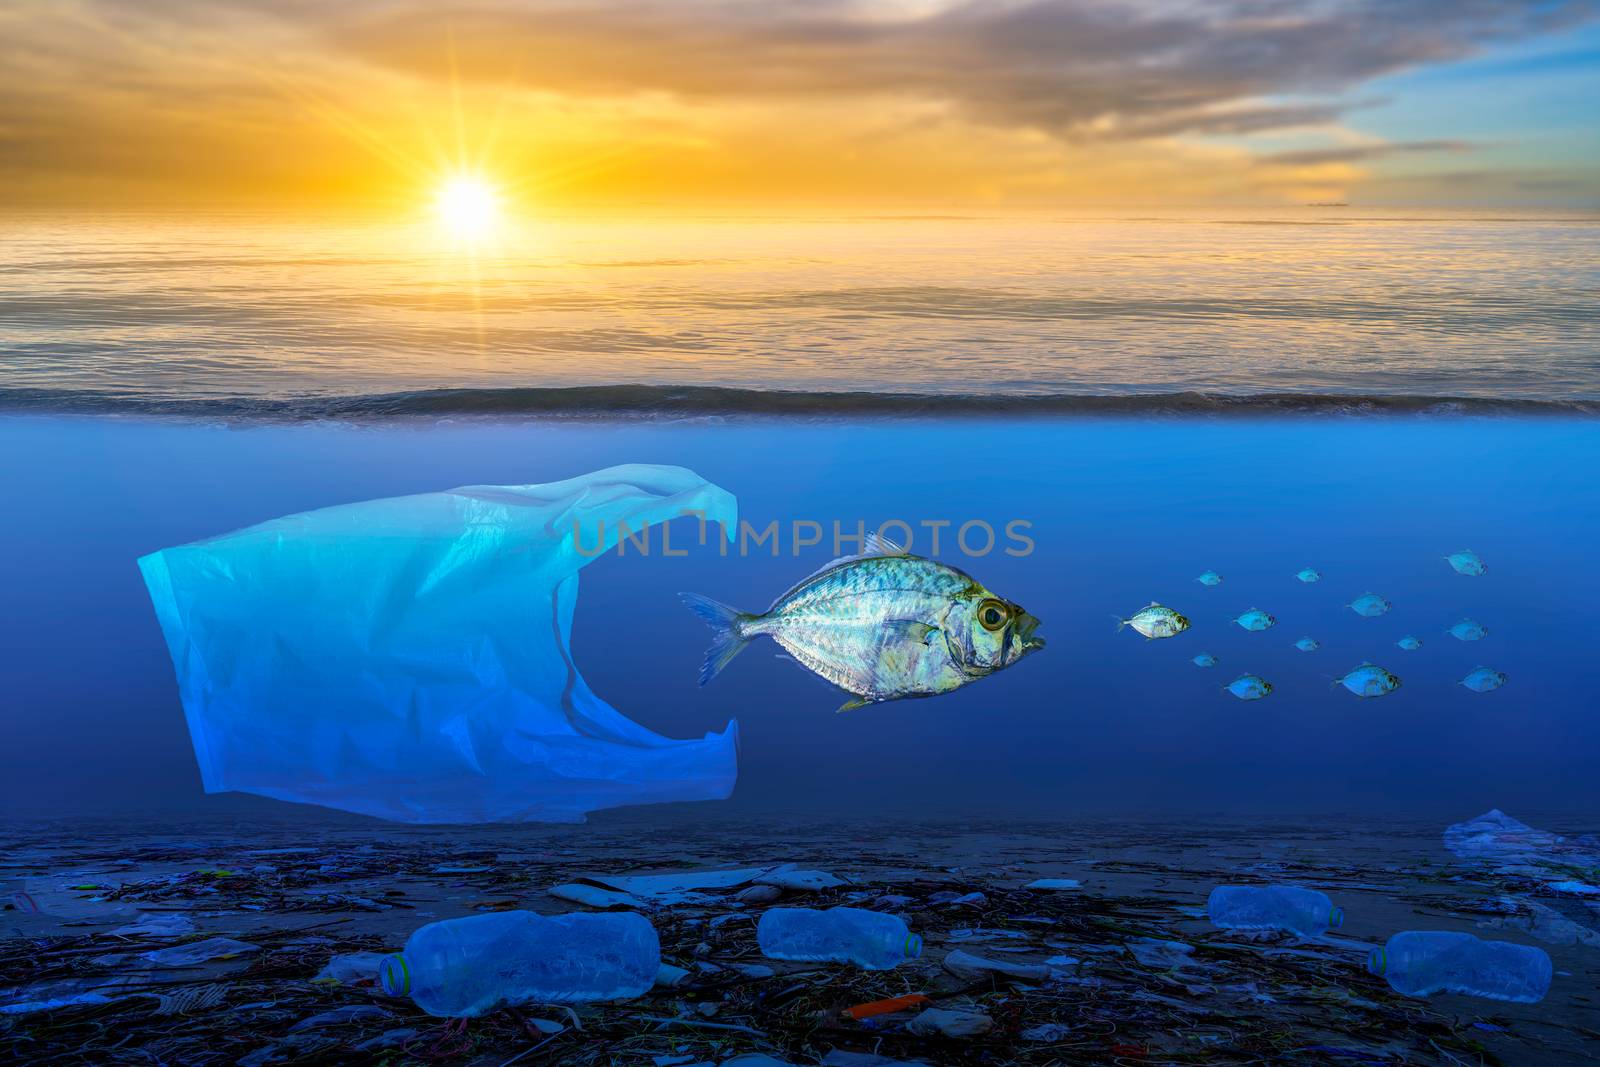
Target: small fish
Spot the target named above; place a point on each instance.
(1210, 578)
(1249, 687)
(1155, 622)
(1205, 659)
(1467, 630)
(1307, 644)
(1409, 643)
(1484, 680)
(881, 625)
(1467, 562)
(1255, 620)
(1369, 605)
(1308, 575)
(1369, 680)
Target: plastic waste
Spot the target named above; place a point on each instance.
(465, 967)
(1497, 838)
(964, 964)
(1273, 907)
(868, 939)
(1420, 963)
(409, 658)
(951, 1022)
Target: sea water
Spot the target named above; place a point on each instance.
(1116, 512)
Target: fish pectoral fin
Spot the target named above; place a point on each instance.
(852, 704)
(912, 630)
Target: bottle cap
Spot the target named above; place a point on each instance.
(1335, 918)
(395, 975)
(1378, 962)
(913, 946)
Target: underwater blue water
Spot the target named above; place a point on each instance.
(1121, 511)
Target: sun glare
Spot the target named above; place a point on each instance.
(468, 206)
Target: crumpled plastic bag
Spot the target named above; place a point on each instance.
(409, 658)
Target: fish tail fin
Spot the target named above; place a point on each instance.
(1121, 622)
(727, 638)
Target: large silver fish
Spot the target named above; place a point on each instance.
(882, 625)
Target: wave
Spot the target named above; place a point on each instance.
(688, 401)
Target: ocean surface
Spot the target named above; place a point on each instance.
(261, 315)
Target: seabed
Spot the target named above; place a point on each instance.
(1123, 968)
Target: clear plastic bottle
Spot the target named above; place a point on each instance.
(1420, 963)
(466, 967)
(868, 939)
(1273, 907)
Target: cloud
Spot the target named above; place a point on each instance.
(1364, 152)
(985, 98)
(1082, 69)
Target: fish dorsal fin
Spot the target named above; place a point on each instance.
(875, 544)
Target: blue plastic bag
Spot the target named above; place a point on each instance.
(409, 658)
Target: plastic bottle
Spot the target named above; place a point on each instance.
(1420, 963)
(868, 939)
(465, 967)
(1273, 907)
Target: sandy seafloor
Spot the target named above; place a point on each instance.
(300, 889)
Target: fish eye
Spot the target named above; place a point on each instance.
(992, 614)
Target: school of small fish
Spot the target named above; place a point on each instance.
(1367, 681)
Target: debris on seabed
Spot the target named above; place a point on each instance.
(198, 946)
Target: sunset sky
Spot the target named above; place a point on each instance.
(702, 105)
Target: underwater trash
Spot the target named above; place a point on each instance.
(1255, 620)
(874, 1008)
(951, 1022)
(170, 924)
(1369, 680)
(1306, 912)
(1308, 644)
(352, 968)
(1420, 963)
(1306, 574)
(1154, 622)
(1467, 562)
(964, 964)
(1409, 643)
(1544, 923)
(593, 896)
(410, 658)
(1484, 679)
(758, 894)
(1210, 578)
(869, 939)
(66, 993)
(1369, 605)
(670, 976)
(1204, 659)
(1496, 836)
(1467, 630)
(198, 952)
(881, 625)
(1054, 883)
(1159, 953)
(798, 881)
(466, 967)
(1249, 687)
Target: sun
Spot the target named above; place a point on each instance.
(468, 206)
